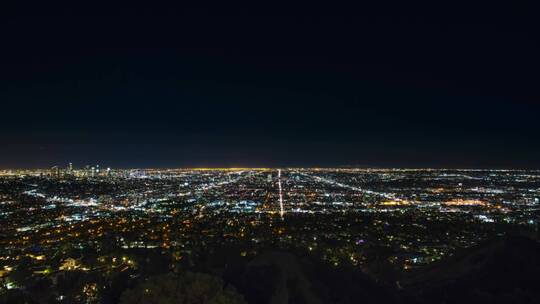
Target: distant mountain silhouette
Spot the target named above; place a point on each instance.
(505, 270)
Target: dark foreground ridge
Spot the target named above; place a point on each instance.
(503, 270)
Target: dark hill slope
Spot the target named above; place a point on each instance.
(279, 277)
(505, 270)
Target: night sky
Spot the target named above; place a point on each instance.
(390, 86)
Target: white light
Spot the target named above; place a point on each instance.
(281, 212)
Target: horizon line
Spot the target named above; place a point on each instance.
(233, 168)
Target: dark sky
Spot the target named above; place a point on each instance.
(391, 86)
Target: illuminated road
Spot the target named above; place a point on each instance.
(391, 196)
(281, 211)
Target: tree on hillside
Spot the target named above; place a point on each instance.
(185, 288)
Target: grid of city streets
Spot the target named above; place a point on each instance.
(102, 222)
